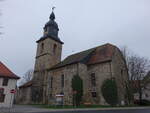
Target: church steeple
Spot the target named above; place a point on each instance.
(52, 16)
(49, 49)
(51, 28)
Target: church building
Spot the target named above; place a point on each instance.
(53, 76)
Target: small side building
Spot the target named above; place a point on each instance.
(8, 82)
(24, 93)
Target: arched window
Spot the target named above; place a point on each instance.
(42, 47)
(94, 94)
(54, 48)
(62, 81)
(121, 71)
(93, 80)
(51, 82)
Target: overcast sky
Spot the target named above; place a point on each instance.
(83, 24)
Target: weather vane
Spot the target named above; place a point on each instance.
(53, 8)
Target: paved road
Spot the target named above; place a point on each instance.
(104, 111)
(31, 109)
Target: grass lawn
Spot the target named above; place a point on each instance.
(69, 106)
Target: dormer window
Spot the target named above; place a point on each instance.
(42, 47)
(54, 48)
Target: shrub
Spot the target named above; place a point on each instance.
(77, 86)
(109, 91)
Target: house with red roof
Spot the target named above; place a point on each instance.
(8, 82)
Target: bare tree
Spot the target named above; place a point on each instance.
(27, 77)
(137, 69)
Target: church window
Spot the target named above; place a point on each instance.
(50, 95)
(93, 80)
(121, 71)
(62, 81)
(94, 94)
(54, 48)
(51, 83)
(146, 95)
(5, 81)
(42, 47)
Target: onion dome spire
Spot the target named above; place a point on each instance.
(51, 28)
(52, 16)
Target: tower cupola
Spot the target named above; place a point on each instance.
(51, 28)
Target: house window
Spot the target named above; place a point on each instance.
(94, 94)
(1, 91)
(42, 47)
(62, 81)
(54, 48)
(51, 83)
(93, 80)
(2, 98)
(5, 81)
(2, 95)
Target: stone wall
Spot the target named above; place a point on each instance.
(45, 59)
(120, 73)
(102, 72)
(68, 72)
(23, 96)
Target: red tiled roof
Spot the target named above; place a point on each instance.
(95, 55)
(27, 84)
(5, 72)
(102, 54)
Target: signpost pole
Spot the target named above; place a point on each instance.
(10, 102)
(13, 91)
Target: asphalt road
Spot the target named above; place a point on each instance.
(105, 111)
(33, 109)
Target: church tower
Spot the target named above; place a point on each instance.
(49, 50)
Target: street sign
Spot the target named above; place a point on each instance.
(13, 91)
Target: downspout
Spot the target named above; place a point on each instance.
(110, 70)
